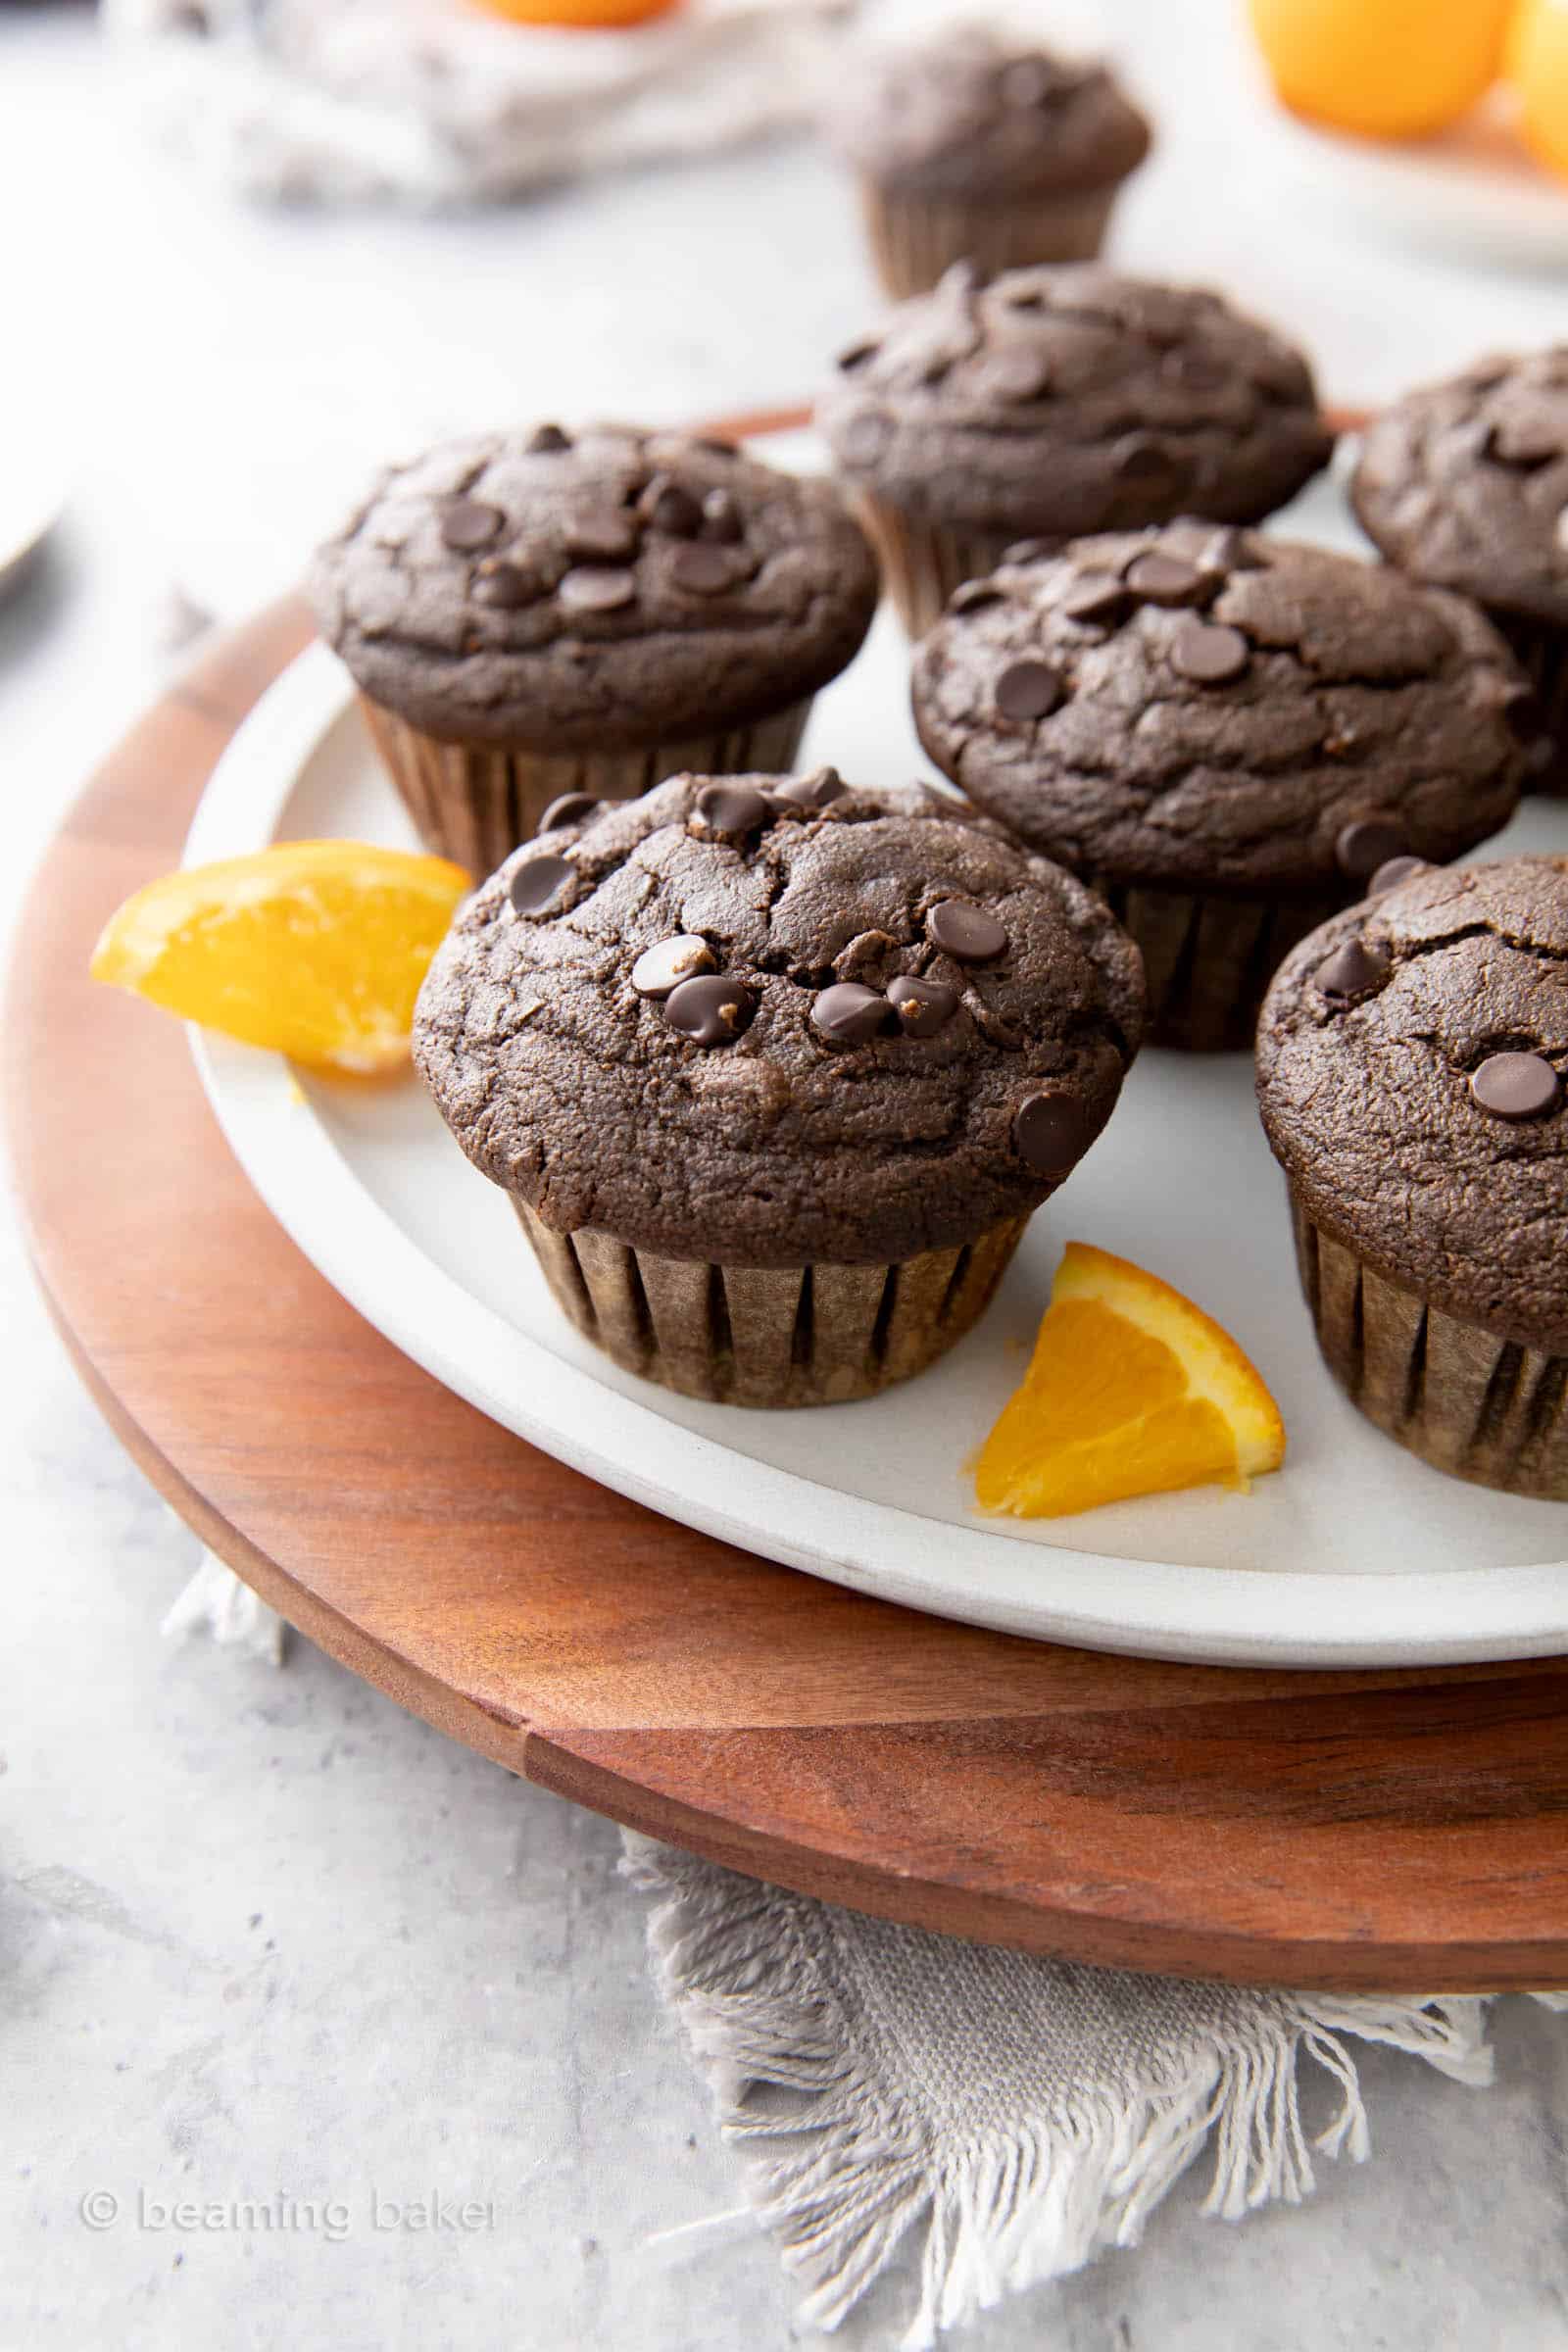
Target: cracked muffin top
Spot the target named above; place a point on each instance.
(1216, 709)
(1065, 399)
(774, 1020)
(1465, 484)
(599, 588)
(969, 113)
(1410, 1066)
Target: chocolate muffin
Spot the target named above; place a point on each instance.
(1410, 1066)
(1225, 734)
(969, 146)
(1054, 402)
(1465, 484)
(543, 613)
(775, 1072)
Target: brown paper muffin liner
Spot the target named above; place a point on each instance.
(922, 563)
(1541, 652)
(767, 1336)
(1208, 961)
(914, 239)
(475, 803)
(1480, 1408)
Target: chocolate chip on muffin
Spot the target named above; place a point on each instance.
(1410, 1064)
(718, 1034)
(1465, 484)
(1227, 775)
(1052, 402)
(541, 614)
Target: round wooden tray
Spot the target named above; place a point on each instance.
(1393, 1830)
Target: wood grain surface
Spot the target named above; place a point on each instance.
(1396, 1830)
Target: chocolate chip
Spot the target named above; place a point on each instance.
(1030, 551)
(1097, 595)
(1392, 872)
(818, 790)
(468, 522)
(924, 1007)
(969, 934)
(568, 810)
(1366, 843)
(1161, 579)
(593, 590)
(1527, 441)
(1194, 370)
(505, 587)
(972, 596)
(602, 538)
(865, 438)
(669, 508)
(1208, 653)
(859, 353)
(701, 569)
(659, 970)
(712, 1011)
(1138, 458)
(721, 517)
(1028, 690)
(716, 445)
(1014, 376)
(537, 884)
(1516, 1086)
(732, 811)
(1523, 714)
(1024, 297)
(849, 1013)
(548, 441)
(1352, 970)
(1052, 1132)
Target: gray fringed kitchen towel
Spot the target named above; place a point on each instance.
(1019, 2114)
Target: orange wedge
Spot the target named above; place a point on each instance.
(1538, 69)
(1131, 1389)
(314, 948)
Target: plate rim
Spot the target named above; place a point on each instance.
(1277, 1618)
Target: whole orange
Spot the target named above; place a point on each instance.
(1385, 68)
(587, 14)
(1537, 65)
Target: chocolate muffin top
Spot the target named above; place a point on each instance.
(1216, 709)
(594, 589)
(967, 113)
(1410, 1065)
(775, 1020)
(1065, 399)
(1466, 484)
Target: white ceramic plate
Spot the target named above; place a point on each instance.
(1354, 1555)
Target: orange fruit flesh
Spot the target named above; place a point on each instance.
(1131, 1389)
(1537, 70)
(1383, 69)
(314, 949)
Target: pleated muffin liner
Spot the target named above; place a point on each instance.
(922, 563)
(1541, 652)
(1208, 960)
(770, 1336)
(914, 239)
(476, 803)
(1478, 1406)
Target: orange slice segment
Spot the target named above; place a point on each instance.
(316, 948)
(1383, 69)
(1131, 1389)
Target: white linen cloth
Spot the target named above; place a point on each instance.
(430, 102)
